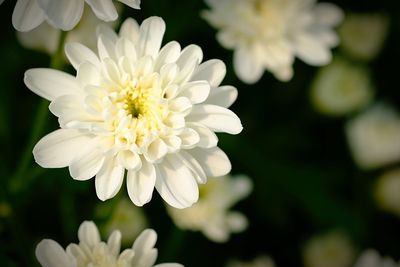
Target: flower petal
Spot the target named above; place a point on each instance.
(248, 67)
(131, 3)
(114, 243)
(328, 14)
(175, 183)
(50, 254)
(156, 150)
(88, 164)
(208, 138)
(151, 35)
(89, 234)
(104, 10)
(78, 53)
(130, 30)
(109, 179)
(141, 183)
(59, 148)
(213, 161)
(145, 253)
(62, 14)
(213, 71)
(217, 118)
(27, 15)
(311, 50)
(223, 96)
(168, 54)
(50, 84)
(196, 92)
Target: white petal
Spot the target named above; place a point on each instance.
(189, 138)
(131, 3)
(107, 31)
(104, 9)
(130, 30)
(191, 53)
(114, 242)
(129, 160)
(223, 96)
(248, 68)
(156, 151)
(88, 164)
(151, 35)
(62, 14)
(78, 53)
(125, 47)
(168, 54)
(311, 50)
(50, 84)
(50, 254)
(213, 161)
(145, 254)
(27, 15)
(89, 234)
(88, 74)
(59, 148)
(109, 179)
(328, 14)
(196, 92)
(180, 104)
(213, 71)
(141, 183)
(175, 183)
(106, 47)
(194, 166)
(217, 118)
(208, 138)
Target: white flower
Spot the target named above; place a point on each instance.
(333, 249)
(260, 261)
(122, 216)
(138, 108)
(45, 37)
(268, 34)
(371, 258)
(211, 214)
(62, 14)
(374, 137)
(91, 251)
(341, 88)
(362, 35)
(387, 190)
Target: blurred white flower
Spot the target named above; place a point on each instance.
(269, 34)
(211, 214)
(62, 14)
(333, 249)
(371, 258)
(260, 261)
(362, 35)
(387, 190)
(374, 137)
(135, 107)
(91, 251)
(122, 216)
(45, 37)
(341, 88)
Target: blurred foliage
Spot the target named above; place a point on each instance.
(305, 181)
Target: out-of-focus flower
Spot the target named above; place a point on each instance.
(371, 258)
(5, 209)
(135, 107)
(387, 190)
(62, 14)
(260, 261)
(211, 214)
(341, 88)
(269, 34)
(122, 216)
(45, 37)
(374, 137)
(333, 249)
(91, 251)
(363, 35)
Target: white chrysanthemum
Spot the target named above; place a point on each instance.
(387, 190)
(62, 14)
(45, 38)
(260, 261)
(138, 108)
(341, 88)
(374, 137)
(330, 250)
(122, 216)
(211, 214)
(268, 34)
(362, 35)
(91, 251)
(371, 258)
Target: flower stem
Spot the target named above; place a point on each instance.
(39, 123)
